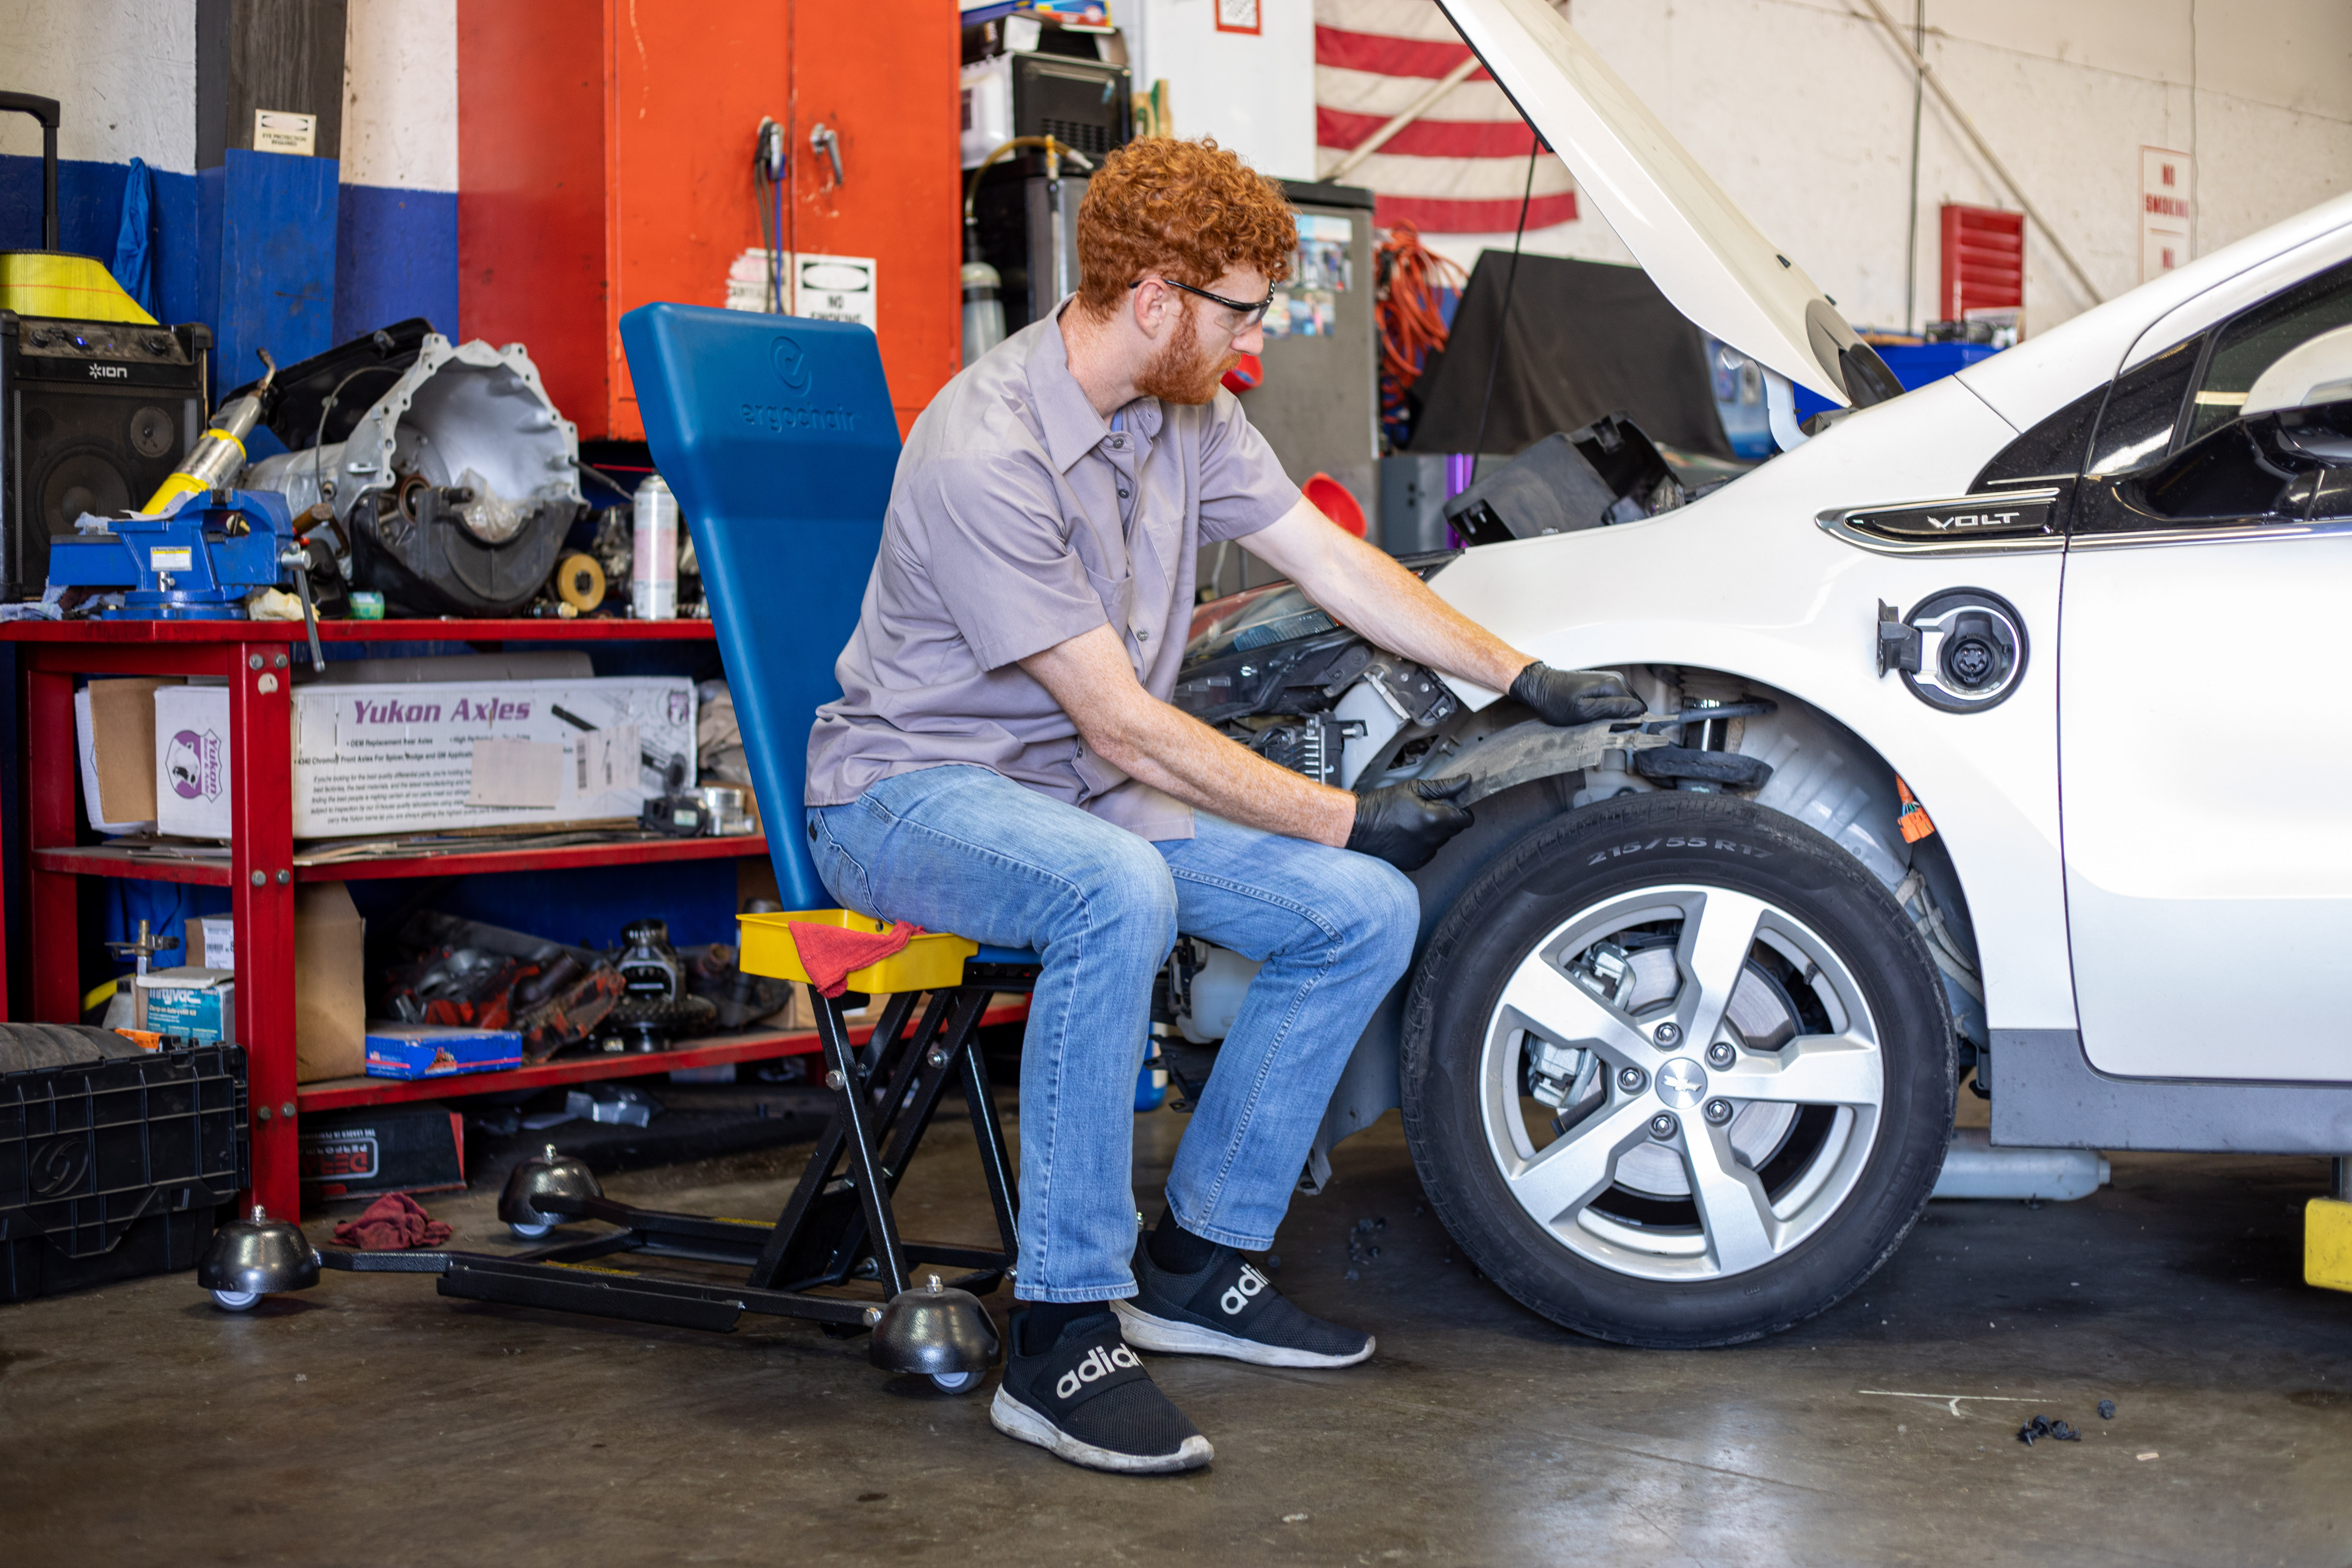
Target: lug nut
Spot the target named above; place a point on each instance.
(1718, 1112)
(1664, 1126)
(1630, 1079)
(1667, 1033)
(1720, 1053)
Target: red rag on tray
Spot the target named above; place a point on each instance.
(393, 1223)
(829, 953)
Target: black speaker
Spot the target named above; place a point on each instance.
(93, 417)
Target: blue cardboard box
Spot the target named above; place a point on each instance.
(198, 1005)
(438, 1050)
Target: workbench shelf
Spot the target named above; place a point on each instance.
(114, 860)
(263, 864)
(709, 1051)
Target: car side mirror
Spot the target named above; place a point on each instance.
(2301, 406)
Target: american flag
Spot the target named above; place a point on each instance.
(1461, 166)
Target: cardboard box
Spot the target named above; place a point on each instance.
(438, 1050)
(114, 732)
(189, 1004)
(329, 977)
(421, 757)
(329, 984)
(417, 1148)
(211, 942)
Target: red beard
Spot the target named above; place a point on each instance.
(1180, 372)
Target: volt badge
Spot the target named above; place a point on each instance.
(1962, 650)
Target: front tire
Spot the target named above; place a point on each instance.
(1677, 1071)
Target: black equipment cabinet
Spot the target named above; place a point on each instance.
(93, 417)
(1087, 105)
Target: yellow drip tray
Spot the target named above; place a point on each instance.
(932, 961)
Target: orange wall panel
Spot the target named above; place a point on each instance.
(605, 163)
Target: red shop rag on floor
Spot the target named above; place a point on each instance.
(391, 1224)
(829, 953)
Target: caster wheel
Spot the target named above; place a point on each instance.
(529, 1232)
(954, 1382)
(235, 1300)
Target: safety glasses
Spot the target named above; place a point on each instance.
(1251, 314)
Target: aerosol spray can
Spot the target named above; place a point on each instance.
(653, 569)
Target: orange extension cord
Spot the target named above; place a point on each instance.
(1410, 275)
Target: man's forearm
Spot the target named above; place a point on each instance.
(1173, 752)
(1177, 754)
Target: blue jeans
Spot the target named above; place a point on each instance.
(958, 848)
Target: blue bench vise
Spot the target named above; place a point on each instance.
(196, 560)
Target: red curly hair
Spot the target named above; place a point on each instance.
(1191, 210)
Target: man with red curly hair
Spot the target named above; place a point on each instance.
(1004, 763)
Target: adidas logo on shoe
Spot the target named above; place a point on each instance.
(1239, 1293)
(1098, 1363)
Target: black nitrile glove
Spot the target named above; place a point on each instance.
(1405, 824)
(1566, 697)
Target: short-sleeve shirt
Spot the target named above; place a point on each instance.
(1018, 520)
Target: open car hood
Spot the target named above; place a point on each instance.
(1699, 247)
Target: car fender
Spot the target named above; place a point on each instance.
(1746, 581)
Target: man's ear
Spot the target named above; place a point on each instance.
(1150, 304)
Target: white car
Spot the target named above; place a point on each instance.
(1995, 728)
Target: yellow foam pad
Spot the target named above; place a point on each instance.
(2327, 1244)
(74, 288)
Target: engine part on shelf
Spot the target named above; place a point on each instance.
(718, 750)
(579, 581)
(727, 808)
(322, 399)
(455, 488)
(675, 816)
(714, 975)
(451, 971)
(656, 1005)
(220, 455)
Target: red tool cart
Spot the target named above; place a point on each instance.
(264, 864)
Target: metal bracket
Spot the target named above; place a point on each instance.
(1898, 645)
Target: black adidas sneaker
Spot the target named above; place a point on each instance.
(1229, 1309)
(1089, 1401)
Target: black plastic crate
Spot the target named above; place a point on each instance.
(113, 1169)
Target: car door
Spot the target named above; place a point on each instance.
(2204, 749)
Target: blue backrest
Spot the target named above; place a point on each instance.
(777, 434)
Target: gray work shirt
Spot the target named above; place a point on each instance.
(1018, 520)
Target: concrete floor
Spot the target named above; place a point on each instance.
(372, 1421)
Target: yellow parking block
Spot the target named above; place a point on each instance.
(2327, 1244)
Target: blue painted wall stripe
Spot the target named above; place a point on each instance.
(396, 256)
(395, 250)
(89, 203)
